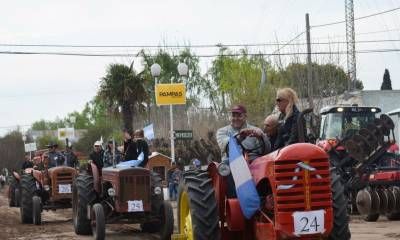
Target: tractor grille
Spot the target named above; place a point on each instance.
(135, 188)
(62, 178)
(302, 190)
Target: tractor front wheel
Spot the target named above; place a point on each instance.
(167, 221)
(37, 210)
(83, 194)
(340, 230)
(98, 222)
(28, 187)
(198, 217)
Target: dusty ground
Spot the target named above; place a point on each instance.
(58, 225)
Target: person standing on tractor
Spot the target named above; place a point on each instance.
(286, 99)
(55, 157)
(240, 126)
(130, 148)
(141, 146)
(71, 160)
(97, 155)
(108, 154)
(271, 125)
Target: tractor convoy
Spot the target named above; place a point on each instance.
(306, 190)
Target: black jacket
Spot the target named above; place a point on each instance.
(287, 131)
(142, 146)
(27, 164)
(97, 158)
(130, 150)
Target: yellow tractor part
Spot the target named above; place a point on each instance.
(185, 219)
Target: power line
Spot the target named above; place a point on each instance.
(363, 17)
(204, 56)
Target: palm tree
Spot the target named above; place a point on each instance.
(123, 88)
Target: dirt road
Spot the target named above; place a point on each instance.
(58, 225)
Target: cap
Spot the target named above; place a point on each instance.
(97, 143)
(238, 109)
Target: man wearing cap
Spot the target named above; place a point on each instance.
(97, 155)
(55, 157)
(248, 132)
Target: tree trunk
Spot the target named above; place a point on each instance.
(127, 115)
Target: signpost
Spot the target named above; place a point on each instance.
(30, 147)
(183, 134)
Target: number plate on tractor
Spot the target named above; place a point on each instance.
(310, 222)
(135, 206)
(64, 188)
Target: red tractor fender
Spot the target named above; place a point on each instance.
(96, 176)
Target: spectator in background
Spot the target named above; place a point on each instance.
(196, 163)
(176, 178)
(170, 182)
(27, 163)
(97, 155)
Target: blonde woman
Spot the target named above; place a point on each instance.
(286, 100)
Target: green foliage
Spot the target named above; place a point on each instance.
(48, 125)
(387, 83)
(43, 141)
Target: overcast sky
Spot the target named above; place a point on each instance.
(35, 87)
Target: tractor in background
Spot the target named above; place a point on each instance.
(358, 143)
(301, 198)
(120, 194)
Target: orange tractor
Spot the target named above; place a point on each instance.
(44, 188)
(300, 198)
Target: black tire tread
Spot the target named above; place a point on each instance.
(36, 210)
(99, 231)
(203, 205)
(84, 187)
(28, 186)
(340, 230)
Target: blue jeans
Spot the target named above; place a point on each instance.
(173, 191)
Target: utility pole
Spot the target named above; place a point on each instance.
(351, 45)
(309, 66)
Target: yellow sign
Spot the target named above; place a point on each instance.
(167, 94)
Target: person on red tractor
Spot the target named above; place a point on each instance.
(286, 99)
(27, 163)
(271, 125)
(55, 157)
(141, 147)
(97, 155)
(247, 133)
(130, 148)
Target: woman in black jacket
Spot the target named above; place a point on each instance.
(130, 147)
(286, 99)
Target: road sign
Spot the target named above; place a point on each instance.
(183, 134)
(64, 133)
(170, 94)
(30, 147)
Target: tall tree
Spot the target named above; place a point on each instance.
(387, 83)
(123, 88)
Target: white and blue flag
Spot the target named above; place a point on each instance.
(246, 191)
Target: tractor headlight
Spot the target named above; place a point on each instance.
(157, 190)
(46, 187)
(224, 170)
(111, 192)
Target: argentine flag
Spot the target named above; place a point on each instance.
(246, 191)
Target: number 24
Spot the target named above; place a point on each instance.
(313, 224)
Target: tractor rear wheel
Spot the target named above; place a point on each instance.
(340, 230)
(98, 222)
(28, 186)
(37, 210)
(83, 194)
(12, 191)
(198, 217)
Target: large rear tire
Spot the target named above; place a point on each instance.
(37, 210)
(340, 230)
(28, 187)
(98, 222)
(198, 216)
(83, 195)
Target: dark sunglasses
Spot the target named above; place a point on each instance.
(279, 99)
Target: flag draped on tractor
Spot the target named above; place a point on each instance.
(246, 191)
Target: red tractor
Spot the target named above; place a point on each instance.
(358, 143)
(301, 198)
(120, 194)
